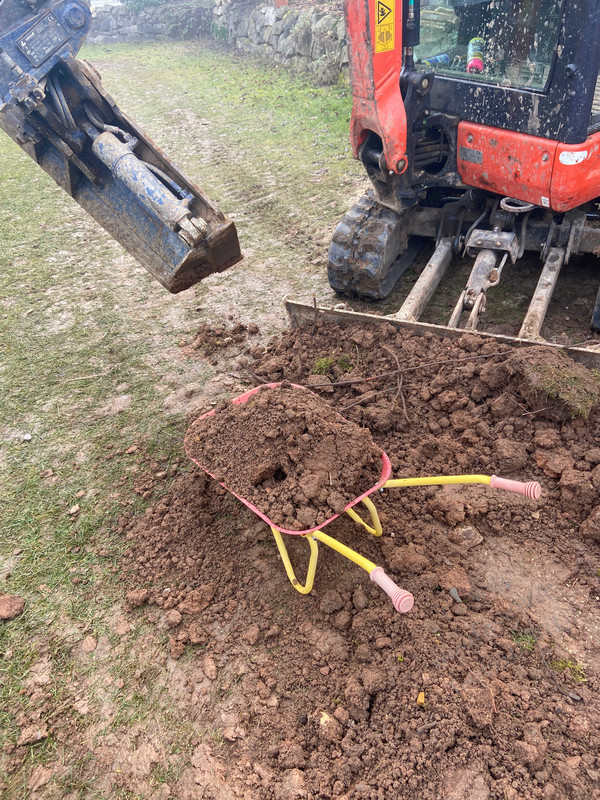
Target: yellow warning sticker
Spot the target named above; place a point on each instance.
(385, 26)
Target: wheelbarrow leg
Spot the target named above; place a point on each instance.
(312, 564)
(376, 530)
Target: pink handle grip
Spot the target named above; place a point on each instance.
(403, 601)
(531, 489)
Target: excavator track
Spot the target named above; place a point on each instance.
(369, 251)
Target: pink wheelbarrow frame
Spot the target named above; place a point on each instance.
(402, 600)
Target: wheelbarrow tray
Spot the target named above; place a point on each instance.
(386, 468)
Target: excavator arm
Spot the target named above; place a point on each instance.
(55, 108)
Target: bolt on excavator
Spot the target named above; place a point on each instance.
(478, 124)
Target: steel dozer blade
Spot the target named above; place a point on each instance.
(56, 110)
(489, 229)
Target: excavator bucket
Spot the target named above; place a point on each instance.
(56, 110)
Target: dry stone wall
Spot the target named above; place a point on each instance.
(306, 39)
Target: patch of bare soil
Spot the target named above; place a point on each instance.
(286, 451)
(488, 687)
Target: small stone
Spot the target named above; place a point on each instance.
(11, 605)
(74, 510)
(465, 537)
(360, 600)
(329, 728)
(81, 493)
(455, 595)
(209, 668)
(89, 644)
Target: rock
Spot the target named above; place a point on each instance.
(172, 618)
(11, 605)
(331, 602)
(329, 728)
(137, 597)
(512, 456)
(465, 537)
(89, 644)
(32, 734)
(359, 599)
(209, 668)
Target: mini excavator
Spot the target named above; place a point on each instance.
(478, 124)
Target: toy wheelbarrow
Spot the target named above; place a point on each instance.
(402, 600)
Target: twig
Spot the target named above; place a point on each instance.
(382, 375)
(550, 670)
(399, 393)
(366, 398)
(258, 381)
(89, 377)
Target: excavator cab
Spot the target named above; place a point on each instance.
(478, 124)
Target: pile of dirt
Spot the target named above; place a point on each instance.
(488, 689)
(287, 452)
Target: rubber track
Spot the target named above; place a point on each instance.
(366, 243)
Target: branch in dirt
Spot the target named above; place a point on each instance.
(399, 372)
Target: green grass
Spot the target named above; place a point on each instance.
(575, 668)
(525, 640)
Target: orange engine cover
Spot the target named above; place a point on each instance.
(530, 168)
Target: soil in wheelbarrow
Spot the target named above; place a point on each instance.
(286, 451)
(488, 688)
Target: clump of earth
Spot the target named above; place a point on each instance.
(286, 451)
(488, 688)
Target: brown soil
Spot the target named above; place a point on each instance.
(286, 451)
(334, 694)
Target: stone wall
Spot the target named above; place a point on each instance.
(304, 39)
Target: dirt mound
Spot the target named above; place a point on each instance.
(489, 687)
(287, 452)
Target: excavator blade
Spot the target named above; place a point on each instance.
(301, 314)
